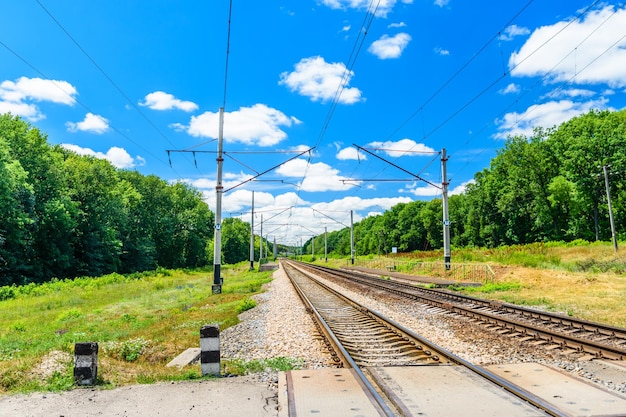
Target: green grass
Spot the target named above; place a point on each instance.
(241, 367)
(140, 322)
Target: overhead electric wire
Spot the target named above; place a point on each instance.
(356, 49)
(462, 68)
(83, 105)
(113, 83)
(544, 79)
(230, 15)
(493, 83)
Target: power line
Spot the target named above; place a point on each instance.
(461, 69)
(83, 105)
(113, 83)
(543, 79)
(230, 14)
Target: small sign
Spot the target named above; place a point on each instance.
(218, 226)
(446, 222)
(394, 250)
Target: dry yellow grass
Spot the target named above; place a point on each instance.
(591, 295)
(564, 279)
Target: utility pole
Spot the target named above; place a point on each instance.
(608, 197)
(261, 242)
(326, 243)
(252, 234)
(313, 249)
(352, 237)
(446, 219)
(219, 190)
(274, 247)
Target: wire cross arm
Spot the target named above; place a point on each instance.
(399, 167)
(269, 170)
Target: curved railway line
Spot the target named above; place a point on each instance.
(542, 328)
(362, 339)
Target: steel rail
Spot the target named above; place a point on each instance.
(433, 298)
(338, 348)
(499, 381)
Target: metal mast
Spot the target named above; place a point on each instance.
(446, 219)
(219, 191)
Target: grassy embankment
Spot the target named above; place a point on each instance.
(140, 322)
(585, 280)
(143, 321)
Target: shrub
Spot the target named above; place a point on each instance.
(7, 293)
(245, 305)
(129, 350)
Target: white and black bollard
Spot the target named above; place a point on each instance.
(85, 363)
(210, 349)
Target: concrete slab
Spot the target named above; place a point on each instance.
(187, 357)
(575, 396)
(326, 392)
(444, 391)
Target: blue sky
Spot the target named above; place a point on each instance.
(127, 81)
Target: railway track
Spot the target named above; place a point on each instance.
(554, 331)
(362, 339)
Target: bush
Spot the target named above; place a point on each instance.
(245, 305)
(7, 293)
(129, 350)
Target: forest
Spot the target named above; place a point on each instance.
(66, 215)
(549, 187)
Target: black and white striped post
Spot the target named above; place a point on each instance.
(85, 363)
(210, 349)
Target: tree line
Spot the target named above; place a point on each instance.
(549, 187)
(66, 215)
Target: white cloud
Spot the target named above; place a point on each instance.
(38, 89)
(396, 25)
(289, 218)
(441, 51)
(160, 100)
(545, 115)
(259, 124)
(512, 31)
(571, 93)
(510, 89)
(442, 3)
(460, 189)
(16, 96)
(319, 176)
(360, 204)
(384, 6)
(92, 123)
(28, 111)
(388, 47)
(422, 191)
(576, 54)
(118, 157)
(315, 78)
(402, 147)
(351, 153)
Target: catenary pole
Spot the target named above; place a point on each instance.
(252, 234)
(219, 190)
(608, 198)
(352, 237)
(446, 219)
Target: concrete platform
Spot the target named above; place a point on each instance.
(188, 357)
(442, 391)
(327, 392)
(575, 396)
